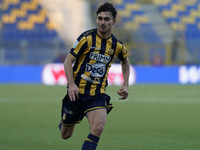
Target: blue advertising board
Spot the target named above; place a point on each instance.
(21, 74)
(157, 75)
(40, 74)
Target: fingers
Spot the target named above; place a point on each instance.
(123, 97)
(73, 91)
(123, 94)
(73, 95)
(76, 94)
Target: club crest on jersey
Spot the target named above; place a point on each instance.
(100, 57)
(110, 51)
(64, 116)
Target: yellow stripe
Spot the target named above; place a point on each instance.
(99, 107)
(67, 125)
(82, 58)
(109, 46)
(82, 82)
(79, 45)
(87, 139)
(72, 55)
(109, 106)
(98, 44)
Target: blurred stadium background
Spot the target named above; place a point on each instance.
(163, 33)
(163, 42)
(39, 32)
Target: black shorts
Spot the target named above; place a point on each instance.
(73, 111)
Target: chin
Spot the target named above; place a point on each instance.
(103, 31)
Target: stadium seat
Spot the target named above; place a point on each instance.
(132, 17)
(183, 17)
(27, 34)
(26, 18)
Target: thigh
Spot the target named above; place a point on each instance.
(98, 102)
(67, 132)
(97, 117)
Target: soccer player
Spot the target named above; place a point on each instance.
(93, 52)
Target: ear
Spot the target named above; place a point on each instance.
(96, 19)
(114, 21)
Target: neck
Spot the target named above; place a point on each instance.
(105, 36)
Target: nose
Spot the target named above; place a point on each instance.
(102, 21)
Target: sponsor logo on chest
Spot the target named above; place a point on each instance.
(100, 57)
(96, 70)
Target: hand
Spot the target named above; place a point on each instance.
(123, 92)
(73, 92)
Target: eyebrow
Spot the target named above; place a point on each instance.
(108, 17)
(103, 17)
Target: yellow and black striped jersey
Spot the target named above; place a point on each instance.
(94, 55)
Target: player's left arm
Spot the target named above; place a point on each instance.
(123, 92)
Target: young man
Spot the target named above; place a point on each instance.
(92, 53)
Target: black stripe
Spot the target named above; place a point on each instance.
(114, 46)
(103, 50)
(88, 84)
(120, 56)
(81, 70)
(84, 46)
(79, 53)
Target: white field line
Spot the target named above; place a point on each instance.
(168, 100)
(30, 100)
(114, 100)
(160, 100)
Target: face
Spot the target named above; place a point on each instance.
(105, 22)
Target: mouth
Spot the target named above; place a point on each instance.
(103, 27)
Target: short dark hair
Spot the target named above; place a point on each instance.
(107, 7)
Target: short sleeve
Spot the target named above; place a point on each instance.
(79, 46)
(123, 54)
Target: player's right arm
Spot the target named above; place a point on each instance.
(73, 90)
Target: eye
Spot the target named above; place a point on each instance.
(99, 18)
(107, 19)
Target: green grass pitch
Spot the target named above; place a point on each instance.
(154, 117)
